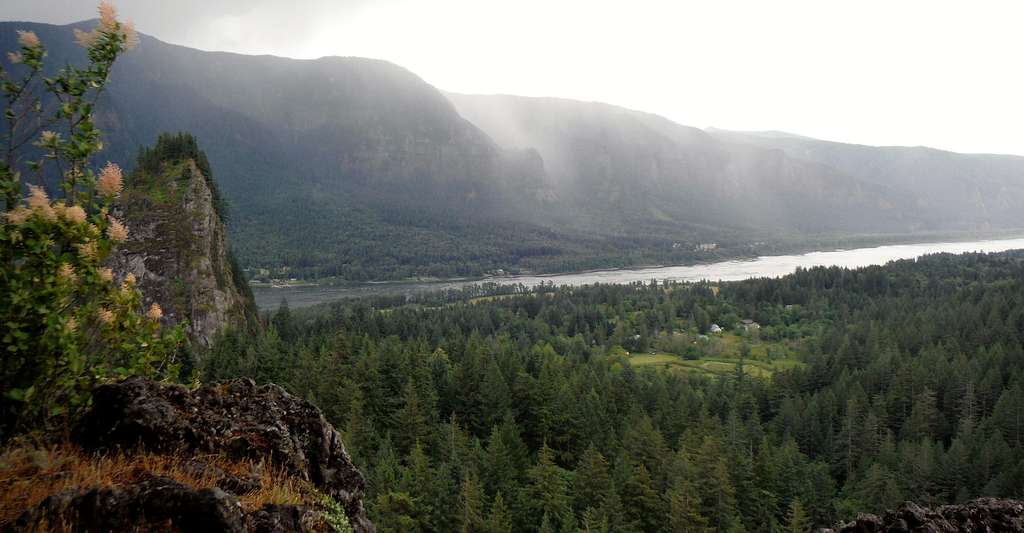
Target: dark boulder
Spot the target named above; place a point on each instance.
(236, 418)
(154, 504)
(981, 515)
(161, 504)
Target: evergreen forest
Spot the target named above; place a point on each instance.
(610, 407)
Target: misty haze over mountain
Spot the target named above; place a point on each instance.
(324, 159)
(914, 72)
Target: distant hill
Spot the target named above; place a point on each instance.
(358, 168)
(949, 190)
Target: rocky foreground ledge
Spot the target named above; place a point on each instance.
(988, 515)
(217, 423)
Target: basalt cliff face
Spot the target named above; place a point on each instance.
(177, 246)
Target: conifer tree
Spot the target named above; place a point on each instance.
(410, 420)
(797, 520)
(568, 523)
(718, 496)
(499, 472)
(283, 322)
(548, 489)
(684, 506)
(396, 511)
(592, 482)
(923, 416)
(641, 502)
(1008, 414)
(878, 489)
(497, 398)
(593, 521)
(359, 432)
(469, 516)
(419, 481)
(387, 471)
(499, 519)
(547, 525)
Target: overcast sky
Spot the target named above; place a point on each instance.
(948, 74)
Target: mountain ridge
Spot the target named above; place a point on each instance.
(358, 169)
(665, 154)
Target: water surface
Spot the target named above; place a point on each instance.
(764, 266)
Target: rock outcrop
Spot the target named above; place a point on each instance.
(154, 501)
(177, 246)
(236, 419)
(981, 515)
(160, 504)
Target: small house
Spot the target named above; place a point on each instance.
(715, 328)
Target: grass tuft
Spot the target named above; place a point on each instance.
(30, 474)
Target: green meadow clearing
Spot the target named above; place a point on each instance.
(720, 355)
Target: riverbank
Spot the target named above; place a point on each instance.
(780, 246)
(726, 270)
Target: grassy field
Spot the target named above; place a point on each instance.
(715, 366)
(757, 363)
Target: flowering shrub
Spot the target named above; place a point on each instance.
(66, 323)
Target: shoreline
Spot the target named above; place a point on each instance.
(329, 283)
(719, 271)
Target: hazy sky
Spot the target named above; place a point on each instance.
(930, 72)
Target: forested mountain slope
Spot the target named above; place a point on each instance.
(322, 160)
(640, 169)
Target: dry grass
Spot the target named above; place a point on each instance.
(28, 475)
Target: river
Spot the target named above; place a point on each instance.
(764, 266)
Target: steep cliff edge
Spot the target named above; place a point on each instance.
(177, 246)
